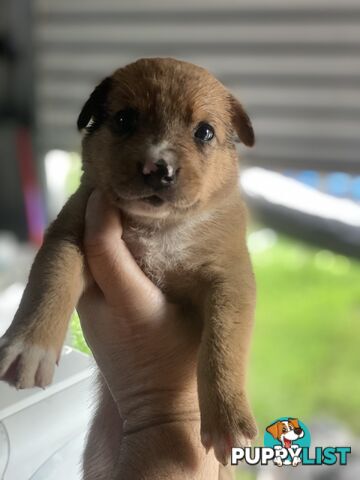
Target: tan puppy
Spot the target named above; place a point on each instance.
(160, 143)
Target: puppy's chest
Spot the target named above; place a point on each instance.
(162, 255)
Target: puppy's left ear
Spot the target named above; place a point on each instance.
(294, 422)
(241, 122)
(94, 110)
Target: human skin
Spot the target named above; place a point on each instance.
(147, 354)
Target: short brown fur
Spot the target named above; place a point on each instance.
(212, 279)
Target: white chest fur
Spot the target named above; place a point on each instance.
(168, 249)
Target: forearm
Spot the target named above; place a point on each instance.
(57, 275)
(170, 451)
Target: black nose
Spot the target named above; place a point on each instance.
(298, 431)
(162, 176)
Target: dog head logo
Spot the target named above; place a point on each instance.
(286, 431)
(287, 436)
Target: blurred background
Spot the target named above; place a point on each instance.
(295, 65)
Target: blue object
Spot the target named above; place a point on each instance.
(339, 184)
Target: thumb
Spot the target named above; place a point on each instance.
(114, 269)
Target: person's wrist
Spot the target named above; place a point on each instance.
(170, 450)
(150, 409)
(148, 419)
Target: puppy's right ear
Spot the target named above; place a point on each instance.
(94, 110)
(273, 430)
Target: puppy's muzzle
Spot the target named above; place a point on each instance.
(159, 174)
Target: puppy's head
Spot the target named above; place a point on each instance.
(159, 137)
(286, 431)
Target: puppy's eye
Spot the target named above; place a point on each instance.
(204, 132)
(126, 120)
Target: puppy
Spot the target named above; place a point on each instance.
(159, 141)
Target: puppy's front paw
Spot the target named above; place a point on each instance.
(25, 364)
(226, 424)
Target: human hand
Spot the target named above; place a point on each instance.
(145, 347)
